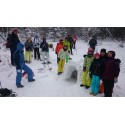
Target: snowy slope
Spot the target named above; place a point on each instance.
(48, 84)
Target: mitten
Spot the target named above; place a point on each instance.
(58, 59)
(84, 69)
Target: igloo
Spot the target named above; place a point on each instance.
(73, 71)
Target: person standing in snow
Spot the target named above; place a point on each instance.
(45, 51)
(96, 70)
(12, 41)
(86, 80)
(61, 59)
(93, 43)
(70, 39)
(110, 74)
(36, 45)
(59, 46)
(75, 39)
(20, 65)
(103, 57)
(29, 49)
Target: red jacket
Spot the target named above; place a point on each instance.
(59, 46)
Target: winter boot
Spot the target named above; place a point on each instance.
(31, 80)
(87, 87)
(20, 86)
(82, 85)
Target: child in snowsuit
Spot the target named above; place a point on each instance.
(59, 46)
(61, 59)
(86, 80)
(110, 74)
(96, 70)
(103, 57)
(20, 65)
(67, 43)
(29, 49)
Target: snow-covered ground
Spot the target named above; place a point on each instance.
(49, 84)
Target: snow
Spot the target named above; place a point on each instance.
(49, 84)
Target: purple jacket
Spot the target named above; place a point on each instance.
(111, 69)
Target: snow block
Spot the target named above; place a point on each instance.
(73, 71)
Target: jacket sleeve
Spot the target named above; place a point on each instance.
(85, 62)
(116, 69)
(59, 53)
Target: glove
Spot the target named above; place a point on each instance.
(58, 59)
(84, 69)
(115, 80)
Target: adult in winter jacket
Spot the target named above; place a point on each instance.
(20, 65)
(28, 50)
(13, 40)
(74, 39)
(36, 45)
(96, 70)
(45, 51)
(59, 46)
(61, 59)
(110, 74)
(70, 39)
(93, 42)
(86, 80)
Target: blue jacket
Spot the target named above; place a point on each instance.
(19, 56)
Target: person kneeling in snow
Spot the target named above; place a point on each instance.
(61, 59)
(20, 65)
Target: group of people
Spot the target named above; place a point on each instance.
(100, 70)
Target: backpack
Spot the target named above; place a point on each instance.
(4, 92)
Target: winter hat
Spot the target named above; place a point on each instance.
(103, 50)
(60, 40)
(96, 54)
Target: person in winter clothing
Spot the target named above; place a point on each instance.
(74, 39)
(13, 40)
(59, 46)
(96, 70)
(29, 49)
(86, 80)
(103, 57)
(93, 42)
(70, 39)
(110, 74)
(45, 51)
(20, 65)
(36, 45)
(61, 59)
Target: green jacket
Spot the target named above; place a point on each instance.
(63, 54)
(66, 43)
(87, 61)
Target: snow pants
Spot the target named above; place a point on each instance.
(28, 56)
(45, 55)
(19, 74)
(61, 65)
(95, 84)
(86, 80)
(36, 53)
(108, 87)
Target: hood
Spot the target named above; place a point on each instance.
(20, 46)
(113, 53)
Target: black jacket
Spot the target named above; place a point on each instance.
(96, 68)
(13, 40)
(93, 43)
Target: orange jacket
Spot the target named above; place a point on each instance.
(59, 46)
